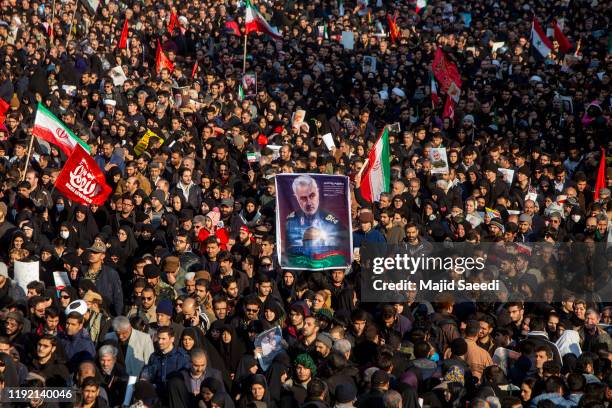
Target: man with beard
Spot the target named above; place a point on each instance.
(47, 363)
(114, 377)
(183, 250)
(14, 329)
(244, 245)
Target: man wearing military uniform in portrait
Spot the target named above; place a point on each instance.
(310, 230)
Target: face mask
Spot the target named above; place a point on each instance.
(575, 218)
(64, 234)
(59, 207)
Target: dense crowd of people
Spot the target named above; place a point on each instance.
(175, 276)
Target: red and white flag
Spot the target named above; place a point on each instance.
(161, 60)
(81, 179)
(449, 108)
(539, 40)
(564, 44)
(447, 74)
(255, 22)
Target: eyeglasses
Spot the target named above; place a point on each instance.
(147, 298)
(65, 296)
(252, 310)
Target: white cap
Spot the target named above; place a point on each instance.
(79, 306)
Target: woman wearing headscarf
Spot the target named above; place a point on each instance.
(100, 215)
(408, 385)
(231, 349)
(191, 338)
(213, 395)
(125, 242)
(68, 233)
(256, 391)
(84, 223)
(246, 368)
(168, 228)
(113, 178)
(250, 214)
(274, 313)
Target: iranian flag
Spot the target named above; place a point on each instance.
(257, 23)
(421, 5)
(376, 177)
(539, 40)
(48, 127)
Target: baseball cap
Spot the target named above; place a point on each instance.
(97, 247)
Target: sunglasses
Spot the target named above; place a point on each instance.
(147, 298)
(252, 310)
(65, 296)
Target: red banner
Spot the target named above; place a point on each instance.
(81, 179)
(446, 72)
(161, 60)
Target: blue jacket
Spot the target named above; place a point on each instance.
(373, 236)
(556, 399)
(77, 348)
(162, 365)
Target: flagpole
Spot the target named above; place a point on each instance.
(25, 169)
(246, 36)
(76, 7)
(52, 36)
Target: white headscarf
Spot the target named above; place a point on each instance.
(569, 342)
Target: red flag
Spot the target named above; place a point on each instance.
(601, 175)
(161, 61)
(173, 22)
(449, 108)
(446, 72)
(194, 70)
(564, 44)
(232, 28)
(393, 29)
(4, 107)
(81, 179)
(124, 36)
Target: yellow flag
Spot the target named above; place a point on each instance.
(143, 143)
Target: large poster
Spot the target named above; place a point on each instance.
(313, 221)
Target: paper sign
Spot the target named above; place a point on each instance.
(369, 64)
(348, 40)
(61, 279)
(328, 139)
(26, 272)
(507, 175)
(497, 45)
(439, 162)
(474, 220)
(249, 84)
(129, 390)
(270, 343)
(275, 151)
(298, 117)
(117, 75)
